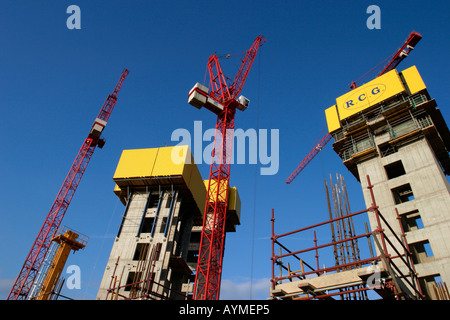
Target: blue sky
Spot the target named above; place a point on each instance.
(55, 80)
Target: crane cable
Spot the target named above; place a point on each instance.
(377, 67)
(113, 214)
(258, 94)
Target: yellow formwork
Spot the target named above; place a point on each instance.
(155, 162)
(173, 161)
(234, 201)
(413, 80)
(233, 204)
(332, 116)
(369, 94)
(135, 163)
(373, 92)
(165, 165)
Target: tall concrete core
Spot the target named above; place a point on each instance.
(391, 130)
(154, 255)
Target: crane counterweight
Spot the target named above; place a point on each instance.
(97, 129)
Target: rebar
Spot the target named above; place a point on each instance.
(333, 236)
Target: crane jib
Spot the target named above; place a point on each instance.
(33, 262)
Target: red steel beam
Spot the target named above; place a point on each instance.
(314, 151)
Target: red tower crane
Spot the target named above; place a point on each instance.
(221, 100)
(27, 275)
(395, 59)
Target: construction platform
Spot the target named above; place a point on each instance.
(356, 270)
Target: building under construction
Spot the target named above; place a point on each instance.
(389, 134)
(155, 253)
(393, 139)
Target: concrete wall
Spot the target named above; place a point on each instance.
(431, 198)
(127, 241)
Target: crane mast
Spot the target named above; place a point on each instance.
(33, 262)
(395, 59)
(221, 100)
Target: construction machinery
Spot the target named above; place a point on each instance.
(66, 240)
(27, 275)
(222, 99)
(395, 59)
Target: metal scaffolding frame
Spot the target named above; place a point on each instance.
(390, 272)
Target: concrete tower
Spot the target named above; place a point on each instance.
(390, 130)
(156, 248)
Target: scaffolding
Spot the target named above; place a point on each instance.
(388, 271)
(395, 122)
